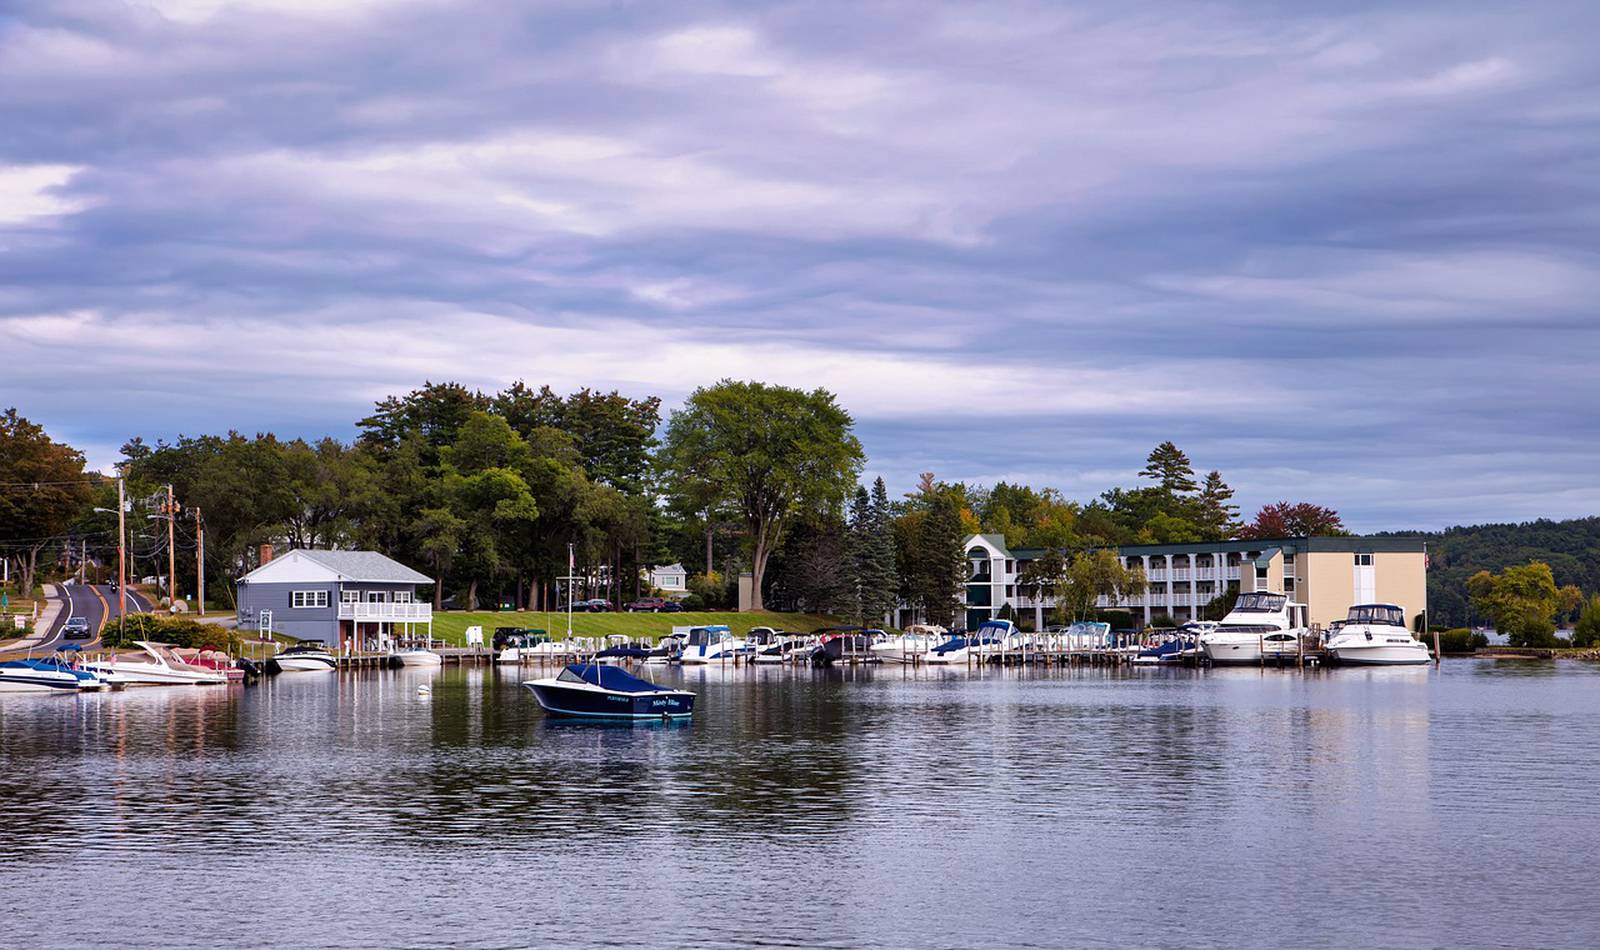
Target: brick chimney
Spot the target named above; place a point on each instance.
(266, 554)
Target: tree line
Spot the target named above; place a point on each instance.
(491, 493)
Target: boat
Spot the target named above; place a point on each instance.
(767, 645)
(1376, 635)
(962, 647)
(156, 665)
(911, 645)
(536, 648)
(1178, 647)
(666, 649)
(619, 648)
(713, 644)
(1261, 625)
(597, 691)
(45, 675)
(415, 656)
(307, 656)
(844, 645)
(214, 660)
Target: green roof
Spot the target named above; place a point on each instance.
(1387, 544)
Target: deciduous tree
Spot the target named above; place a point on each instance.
(1286, 520)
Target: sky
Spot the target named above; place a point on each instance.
(1343, 252)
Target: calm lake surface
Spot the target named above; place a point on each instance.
(866, 808)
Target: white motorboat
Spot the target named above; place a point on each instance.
(48, 675)
(766, 645)
(964, 648)
(537, 649)
(914, 644)
(307, 656)
(416, 656)
(713, 644)
(158, 665)
(1261, 625)
(1376, 635)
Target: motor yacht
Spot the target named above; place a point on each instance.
(157, 665)
(1261, 625)
(307, 656)
(595, 691)
(912, 645)
(1376, 635)
(713, 644)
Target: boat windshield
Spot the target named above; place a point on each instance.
(1385, 614)
(705, 636)
(570, 675)
(1260, 603)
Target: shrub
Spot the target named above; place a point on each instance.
(1587, 632)
(693, 602)
(1163, 620)
(1119, 619)
(1461, 640)
(178, 631)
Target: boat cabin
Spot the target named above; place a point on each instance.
(1382, 615)
(706, 636)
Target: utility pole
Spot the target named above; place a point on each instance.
(122, 560)
(83, 559)
(199, 562)
(172, 552)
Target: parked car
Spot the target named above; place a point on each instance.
(597, 605)
(647, 605)
(76, 628)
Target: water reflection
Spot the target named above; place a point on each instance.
(850, 807)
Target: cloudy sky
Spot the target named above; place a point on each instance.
(1345, 253)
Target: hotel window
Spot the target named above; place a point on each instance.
(1261, 572)
(308, 598)
(1363, 560)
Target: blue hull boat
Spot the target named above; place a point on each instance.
(593, 691)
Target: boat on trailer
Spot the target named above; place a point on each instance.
(597, 691)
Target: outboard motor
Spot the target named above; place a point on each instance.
(252, 669)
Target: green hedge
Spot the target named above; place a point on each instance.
(178, 631)
(1461, 640)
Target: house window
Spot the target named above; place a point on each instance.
(376, 597)
(403, 596)
(1011, 566)
(349, 596)
(308, 598)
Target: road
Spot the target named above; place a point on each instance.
(96, 602)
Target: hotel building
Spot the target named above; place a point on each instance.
(1325, 574)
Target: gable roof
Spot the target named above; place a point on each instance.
(345, 566)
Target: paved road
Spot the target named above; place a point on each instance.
(96, 602)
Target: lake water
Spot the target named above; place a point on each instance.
(866, 808)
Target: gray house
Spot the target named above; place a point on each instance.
(349, 599)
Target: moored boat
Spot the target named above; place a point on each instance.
(44, 675)
(911, 645)
(307, 656)
(1261, 625)
(1376, 635)
(713, 644)
(596, 691)
(962, 648)
(416, 656)
(157, 665)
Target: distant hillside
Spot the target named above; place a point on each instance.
(1571, 548)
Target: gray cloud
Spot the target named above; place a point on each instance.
(1341, 252)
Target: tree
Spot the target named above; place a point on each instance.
(1587, 632)
(43, 491)
(1285, 520)
(872, 574)
(1218, 515)
(485, 488)
(1171, 470)
(1522, 602)
(771, 451)
(937, 573)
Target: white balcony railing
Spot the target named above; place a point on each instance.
(1156, 574)
(386, 612)
(1181, 574)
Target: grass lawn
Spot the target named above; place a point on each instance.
(452, 625)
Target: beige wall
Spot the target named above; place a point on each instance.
(1328, 585)
(1403, 579)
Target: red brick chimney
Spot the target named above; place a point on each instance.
(266, 554)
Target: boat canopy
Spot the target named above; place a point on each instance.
(1260, 602)
(606, 677)
(1385, 614)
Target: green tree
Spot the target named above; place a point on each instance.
(770, 451)
(1218, 516)
(1522, 602)
(1587, 631)
(1170, 469)
(43, 491)
(937, 562)
(486, 489)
